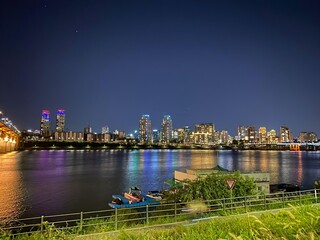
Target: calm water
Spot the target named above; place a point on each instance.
(35, 183)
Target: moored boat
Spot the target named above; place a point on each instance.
(134, 195)
(284, 187)
(157, 195)
(133, 198)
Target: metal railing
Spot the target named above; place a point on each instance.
(166, 212)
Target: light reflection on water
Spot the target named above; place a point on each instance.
(35, 183)
(11, 188)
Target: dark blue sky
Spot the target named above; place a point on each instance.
(108, 62)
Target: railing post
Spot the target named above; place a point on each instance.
(316, 195)
(283, 203)
(201, 210)
(41, 224)
(116, 219)
(245, 203)
(175, 211)
(147, 214)
(300, 197)
(224, 204)
(265, 201)
(81, 221)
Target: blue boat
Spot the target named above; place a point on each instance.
(119, 201)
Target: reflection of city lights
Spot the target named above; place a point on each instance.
(299, 169)
(263, 162)
(11, 191)
(201, 159)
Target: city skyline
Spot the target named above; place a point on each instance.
(145, 129)
(107, 63)
(203, 133)
(46, 127)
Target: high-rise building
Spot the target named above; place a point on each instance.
(243, 134)
(224, 137)
(247, 134)
(61, 118)
(45, 123)
(216, 137)
(252, 134)
(145, 132)
(155, 136)
(308, 137)
(87, 129)
(272, 137)
(74, 136)
(166, 129)
(285, 134)
(175, 135)
(105, 129)
(204, 133)
(262, 135)
(136, 135)
(104, 137)
(118, 136)
(87, 133)
(181, 135)
(187, 134)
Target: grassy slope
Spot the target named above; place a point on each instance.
(298, 223)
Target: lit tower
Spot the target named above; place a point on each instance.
(272, 137)
(285, 134)
(45, 123)
(61, 118)
(247, 134)
(166, 129)
(204, 133)
(262, 135)
(145, 132)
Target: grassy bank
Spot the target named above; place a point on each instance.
(296, 223)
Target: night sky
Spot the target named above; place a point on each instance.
(108, 62)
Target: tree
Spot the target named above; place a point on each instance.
(214, 186)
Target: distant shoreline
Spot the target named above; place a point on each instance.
(51, 145)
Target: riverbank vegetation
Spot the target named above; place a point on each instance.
(170, 212)
(301, 222)
(204, 198)
(296, 223)
(213, 186)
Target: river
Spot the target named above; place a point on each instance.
(46, 182)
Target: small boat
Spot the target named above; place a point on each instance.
(156, 195)
(134, 195)
(284, 187)
(119, 199)
(134, 198)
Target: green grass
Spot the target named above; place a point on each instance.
(296, 223)
(131, 218)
